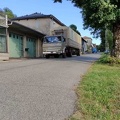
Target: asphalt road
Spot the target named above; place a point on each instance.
(41, 89)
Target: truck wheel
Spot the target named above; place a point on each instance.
(64, 55)
(70, 54)
(47, 56)
(56, 56)
(78, 53)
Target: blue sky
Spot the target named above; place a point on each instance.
(65, 12)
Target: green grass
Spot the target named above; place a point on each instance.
(99, 94)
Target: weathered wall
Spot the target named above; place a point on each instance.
(4, 56)
(25, 36)
(43, 25)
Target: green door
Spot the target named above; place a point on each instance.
(16, 45)
(31, 45)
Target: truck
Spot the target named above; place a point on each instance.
(62, 41)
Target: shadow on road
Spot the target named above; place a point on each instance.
(83, 58)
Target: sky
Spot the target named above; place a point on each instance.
(66, 12)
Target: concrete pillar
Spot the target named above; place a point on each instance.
(25, 54)
(37, 48)
(8, 49)
(40, 48)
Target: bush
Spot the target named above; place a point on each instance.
(108, 59)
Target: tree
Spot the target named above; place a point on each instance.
(9, 13)
(1, 12)
(74, 27)
(106, 40)
(100, 14)
(102, 45)
(109, 38)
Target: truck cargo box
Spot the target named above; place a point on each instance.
(72, 38)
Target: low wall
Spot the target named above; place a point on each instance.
(4, 56)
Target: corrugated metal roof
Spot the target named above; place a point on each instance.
(38, 15)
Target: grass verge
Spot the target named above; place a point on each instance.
(99, 94)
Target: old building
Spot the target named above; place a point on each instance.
(4, 55)
(47, 24)
(17, 41)
(40, 22)
(84, 46)
(22, 36)
(24, 41)
(89, 43)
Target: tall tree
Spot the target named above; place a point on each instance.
(109, 38)
(74, 27)
(102, 45)
(106, 40)
(99, 14)
(1, 12)
(9, 13)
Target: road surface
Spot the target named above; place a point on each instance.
(41, 89)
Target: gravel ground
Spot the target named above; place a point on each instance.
(41, 89)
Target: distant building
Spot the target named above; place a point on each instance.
(89, 43)
(84, 46)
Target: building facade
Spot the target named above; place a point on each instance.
(89, 43)
(18, 41)
(40, 22)
(84, 46)
(3, 38)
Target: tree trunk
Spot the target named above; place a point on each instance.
(116, 40)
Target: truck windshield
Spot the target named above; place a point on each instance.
(52, 39)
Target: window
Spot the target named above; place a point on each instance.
(52, 39)
(3, 40)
